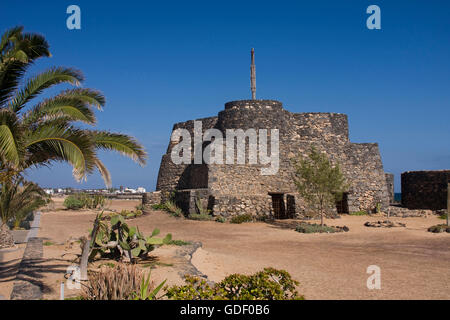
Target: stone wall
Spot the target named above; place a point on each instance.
(151, 197)
(390, 186)
(425, 189)
(189, 200)
(169, 173)
(241, 188)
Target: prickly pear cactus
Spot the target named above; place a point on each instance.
(120, 241)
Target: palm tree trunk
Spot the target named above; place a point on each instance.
(6, 237)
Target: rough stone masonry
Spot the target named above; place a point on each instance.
(233, 189)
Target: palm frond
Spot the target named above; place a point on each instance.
(9, 137)
(9, 38)
(48, 143)
(89, 96)
(17, 52)
(60, 107)
(10, 76)
(124, 144)
(18, 198)
(104, 172)
(44, 81)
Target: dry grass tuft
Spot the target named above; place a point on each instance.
(117, 283)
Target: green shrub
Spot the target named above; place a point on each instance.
(220, 219)
(84, 200)
(444, 216)
(179, 242)
(378, 208)
(127, 214)
(173, 209)
(73, 203)
(262, 218)
(158, 206)
(304, 227)
(200, 208)
(439, 228)
(270, 284)
(241, 218)
(358, 213)
(200, 217)
(170, 207)
(116, 240)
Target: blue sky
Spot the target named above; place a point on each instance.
(161, 62)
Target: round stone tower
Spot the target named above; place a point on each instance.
(255, 114)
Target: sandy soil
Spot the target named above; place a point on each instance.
(415, 264)
(9, 263)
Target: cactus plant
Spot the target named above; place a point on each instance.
(120, 241)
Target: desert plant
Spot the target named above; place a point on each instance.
(241, 218)
(118, 283)
(269, 284)
(220, 219)
(179, 242)
(262, 218)
(158, 206)
(319, 182)
(146, 292)
(73, 203)
(200, 217)
(83, 200)
(172, 208)
(98, 201)
(127, 214)
(304, 227)
(439, 228)
(378, 207)
(18, 198)
(120, 241)
(140, 207)
(201, 209)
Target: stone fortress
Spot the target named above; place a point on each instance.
(233, 189)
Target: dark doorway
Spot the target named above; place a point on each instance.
(290, 206)
(279, 210)
(342, 205)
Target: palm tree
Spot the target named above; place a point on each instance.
(18, 198)
(35, 134)
(39, 134)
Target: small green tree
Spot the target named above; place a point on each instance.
(319, 182)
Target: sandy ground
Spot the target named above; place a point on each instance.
(415, 264)
(9, 263)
